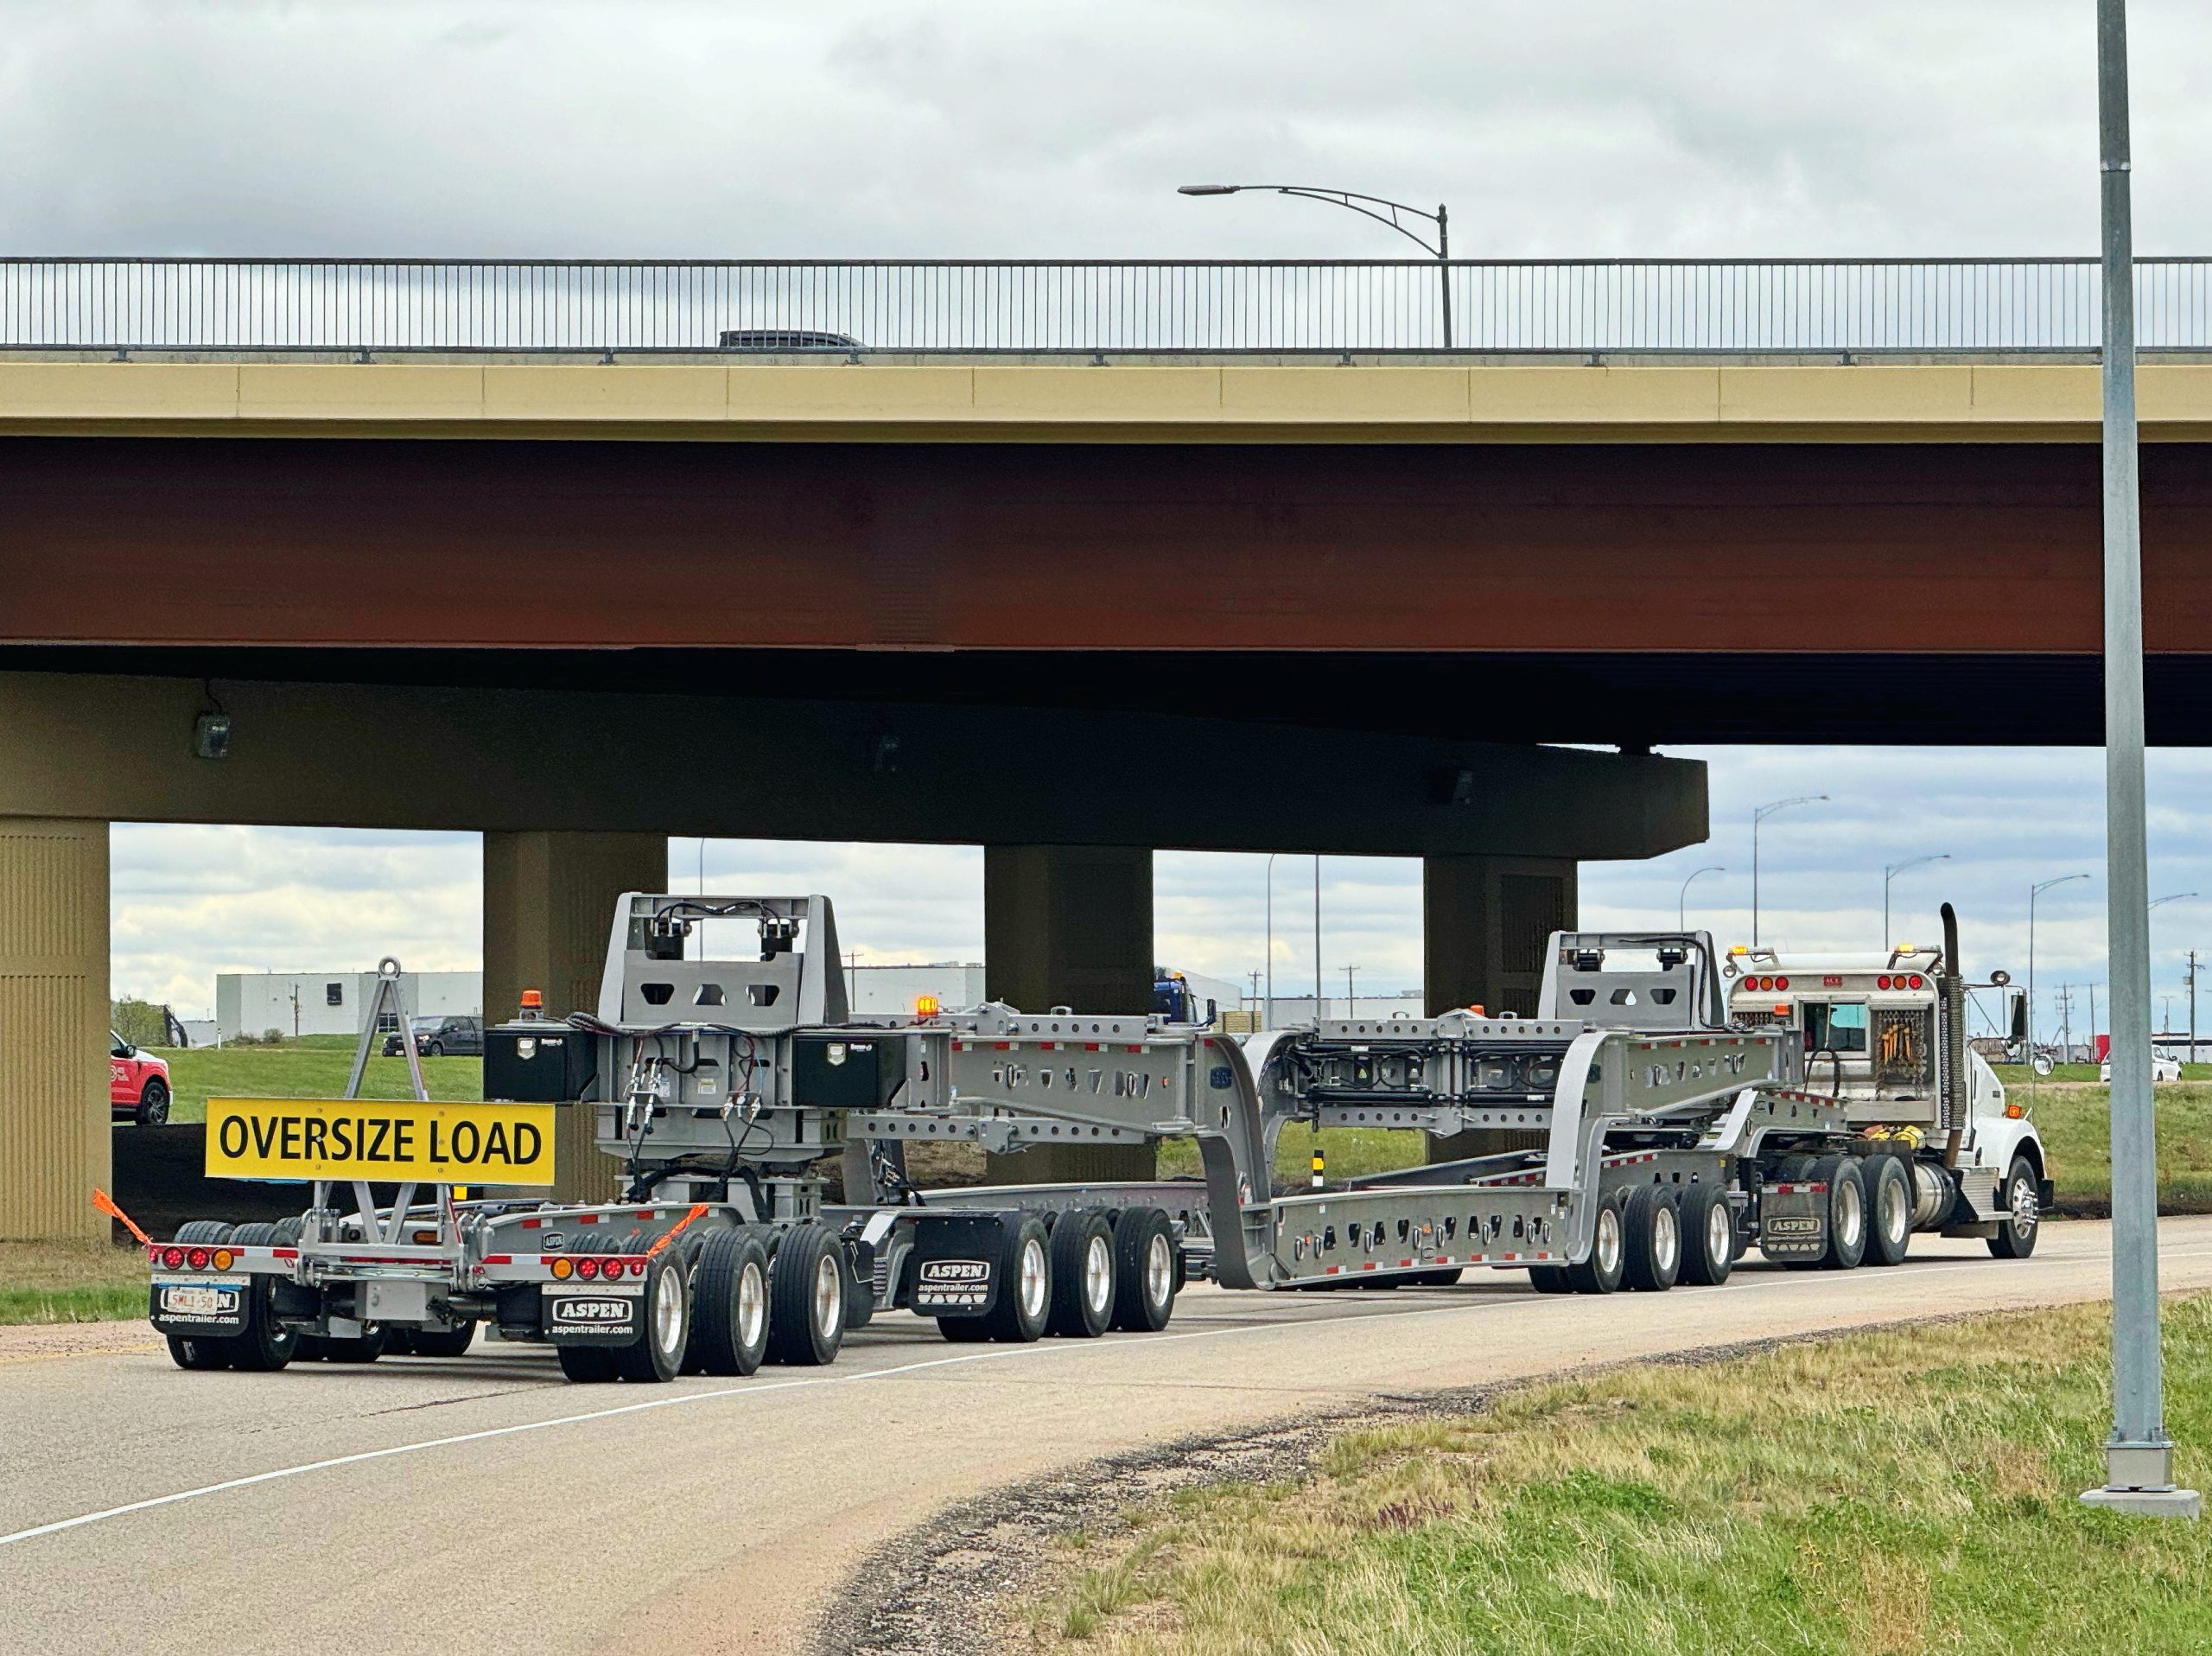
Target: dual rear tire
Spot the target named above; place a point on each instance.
(1091, 1271)
(1649, 1239)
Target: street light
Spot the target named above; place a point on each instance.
(1892, 873)
(2033, 893)
(1442, 250)
(1758, 816)
(1682, 902)
(2139, 1454)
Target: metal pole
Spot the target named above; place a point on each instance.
(2139, 1455)
(2192, 1006)
(1755, 879)
(1319, 981)
(1444, 267)
(1682, 898)
(1270, 1023)
(1351, 994)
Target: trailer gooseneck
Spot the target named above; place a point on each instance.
(724, 1082)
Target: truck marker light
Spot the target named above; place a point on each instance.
(924, 1006)
(2013, 1112)
(637, 1267)
(221, 1259)
(563, 1267)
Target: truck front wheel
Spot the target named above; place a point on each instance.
(2023, 1216)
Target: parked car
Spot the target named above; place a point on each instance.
(2165, 1067)
(137, 1084)
(441, 1034)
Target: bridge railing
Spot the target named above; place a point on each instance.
(1091, 306)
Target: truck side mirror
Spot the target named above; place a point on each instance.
(2041, 1064)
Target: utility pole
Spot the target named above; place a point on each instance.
(1256, 988)
(2192, 1006)
(2092, 1023)
(2065, 1026)
(2139, 1454)
(1351, 999)
(1320, 983)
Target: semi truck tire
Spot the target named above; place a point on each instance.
(1083, 1275)
(1889, 1210)
(806, 1297)
(1708, 1236)
(964, 1330)
(361, 1348)
(657, 1354)
(1601, 1272)
(1846, 1178)
(729, 1330)
(264, 1347)
(1550, 1279)
(443, 1342)
(2022, 1220)
(1018, 1314)
(1146, 1271)
(1651, 1224)
(585, 1365)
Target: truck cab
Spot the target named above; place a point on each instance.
(1874, 1029)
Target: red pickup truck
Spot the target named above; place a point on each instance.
(137, 1084)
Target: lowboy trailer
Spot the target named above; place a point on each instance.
(722, 1084)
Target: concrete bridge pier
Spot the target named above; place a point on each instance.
(53, 1023)
(548, 898)
(1484, 923)
(1068, 925)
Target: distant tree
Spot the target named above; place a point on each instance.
(140, 1022)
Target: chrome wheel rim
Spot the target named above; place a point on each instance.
(1666, 1240)
(1032, 1278)
(668, 1311)
(1849, 1215)
(1719, 1233)
(751, 1305)
(2023, 1206)
(1098, 1275)
(1159, 1270)
(828, 1293)
(1608, 1249)
(1894, 1220)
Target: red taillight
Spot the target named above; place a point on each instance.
(1881, 983)
(1918, 982)
(197, 1257)
(173, 1258)
(637, 1267)
(1781, 983)
(587, 1268)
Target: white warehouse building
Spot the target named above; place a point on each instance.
(330, 1002)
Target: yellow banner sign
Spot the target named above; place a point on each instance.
(375, 1138)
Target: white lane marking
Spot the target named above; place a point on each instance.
(1791, 1282)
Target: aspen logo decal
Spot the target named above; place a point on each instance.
(953, 1284)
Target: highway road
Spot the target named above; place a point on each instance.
(481, 1504)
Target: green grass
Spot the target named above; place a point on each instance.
(302, 1071)
(1349, 1151)
(2076, 1123)
(1905, 1491)
(70, 1282)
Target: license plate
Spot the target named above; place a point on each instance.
(199, 1299)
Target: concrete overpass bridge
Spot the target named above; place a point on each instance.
(533, 551)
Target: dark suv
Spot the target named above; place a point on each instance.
(441, 1034)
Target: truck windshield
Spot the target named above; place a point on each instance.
(1835, 1026)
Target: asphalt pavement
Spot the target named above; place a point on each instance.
(482, 1504)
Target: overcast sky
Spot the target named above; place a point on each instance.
(1584, 127)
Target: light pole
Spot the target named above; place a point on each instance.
(1390, 210)
(1758, 816)
(2139, 1455)
(1317, 980)
(2166, 1022)
(2033, 893)
(1270, 1020)
(1892, 873)
(1683, 901)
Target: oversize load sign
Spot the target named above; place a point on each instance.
(371, 1138)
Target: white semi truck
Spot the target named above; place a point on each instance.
(721, 1084)
(1886, 1033)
